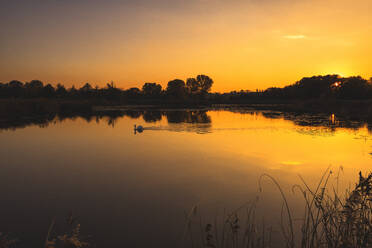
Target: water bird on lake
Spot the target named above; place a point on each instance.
(138, 128)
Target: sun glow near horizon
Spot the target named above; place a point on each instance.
(241, 44)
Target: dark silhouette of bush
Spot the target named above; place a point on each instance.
(355, 88)
(192, 86)
(274, 92)
(199, 86)
(205, 83)
(48, 91)
(111, 92)
(176, 89)
(33, 88)
(151, 90)
(315, 87)
(73, 92)
(132, 93)
(320, 87)
(196, 91)
(61, 90)
(15, 88)
(86, 91)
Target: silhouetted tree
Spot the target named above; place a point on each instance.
(111, 85)
(34, 88)
(176, 88)
(328, 86)
(112, 92)
(205, 83)
(192, 86)
(3, 88)
(86, 88)
(274, 92)
(132, 92)
(15, 88)
(313, 87)
(15, 84)
(151, 89)
(73, 92)
(355, 88)
(35, 84)
(48, 91)
(199, 85)
(61, 90)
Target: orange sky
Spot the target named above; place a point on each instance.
(240, 44)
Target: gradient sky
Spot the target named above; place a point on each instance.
(241, 44)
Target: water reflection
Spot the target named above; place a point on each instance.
(198, 121)
(125, 186)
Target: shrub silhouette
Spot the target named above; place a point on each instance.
(197, 90)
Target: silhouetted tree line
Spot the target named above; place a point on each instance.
(316, 87)
(195, 90)
(177, 90)
(330, 86)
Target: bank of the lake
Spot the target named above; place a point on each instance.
(359, 110)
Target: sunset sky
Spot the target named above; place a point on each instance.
(241, 44)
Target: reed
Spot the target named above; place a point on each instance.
(329, 220)
(71, 238)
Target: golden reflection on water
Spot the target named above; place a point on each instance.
(231, 140)
(233, 143)
(333, 119)
(171, 166)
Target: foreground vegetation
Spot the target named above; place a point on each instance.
(70, 237)
(329, 221)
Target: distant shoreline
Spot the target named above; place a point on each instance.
(347, 97)
(360, 110)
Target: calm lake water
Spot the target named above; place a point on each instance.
(132, 190)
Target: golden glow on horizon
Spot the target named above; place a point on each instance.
(241, 45)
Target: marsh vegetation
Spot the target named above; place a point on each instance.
(330, 219)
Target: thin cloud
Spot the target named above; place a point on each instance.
(295, 37)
